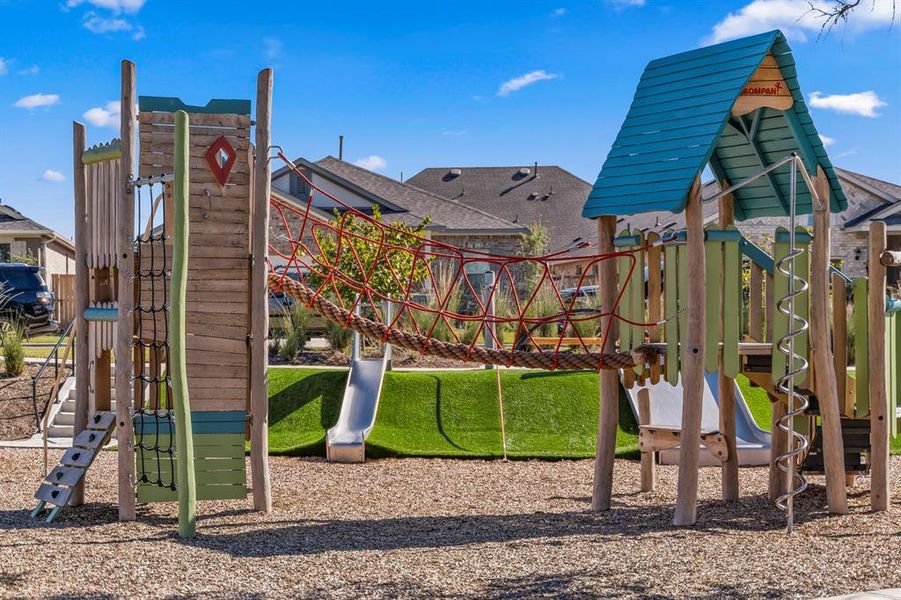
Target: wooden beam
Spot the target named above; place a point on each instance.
(742, 128)
(880, 494)
(82, 372)
(840, 343)
(259, 325)
(726, 385)
(125, 273)
(693, 366)
(656, 439)
(778, 446)
(608, 413)
(824, 372)
(648, 457)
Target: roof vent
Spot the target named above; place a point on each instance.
(455, 172)
(523, 172)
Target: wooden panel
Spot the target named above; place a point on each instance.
(732, 304)
(655, 298)
(861, 348)
(840, 344)
(671, 310)
(713, 253)
(240, 122)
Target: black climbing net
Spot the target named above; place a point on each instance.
(154, 417)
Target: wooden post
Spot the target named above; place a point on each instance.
(187, 484)
(726, 385)
(608, 413)
(82, 372)
(259, 323)
(778, 447)
(693, 367)
(125, 272)
(840, 343)
(879, 425)
(648, 468)
(824, 373)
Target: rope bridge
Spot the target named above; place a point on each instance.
(351, 262)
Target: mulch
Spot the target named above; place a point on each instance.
(16, 407)
(416, 528)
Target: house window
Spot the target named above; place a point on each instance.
(4, 252)
(298, 187)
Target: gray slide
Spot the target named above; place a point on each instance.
(753, 443)
(346, 441)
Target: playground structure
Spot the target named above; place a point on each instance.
(735, 106)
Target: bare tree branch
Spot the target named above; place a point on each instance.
(838, 13)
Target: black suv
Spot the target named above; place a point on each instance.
(28, 301)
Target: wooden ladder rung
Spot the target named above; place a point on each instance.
(70, 476)
(90, 439)
(102, 421)
(53, 494)
(78, 457)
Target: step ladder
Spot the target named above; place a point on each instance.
(58, 486)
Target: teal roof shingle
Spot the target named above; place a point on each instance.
(681, 120)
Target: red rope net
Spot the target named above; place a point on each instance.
(348, 264)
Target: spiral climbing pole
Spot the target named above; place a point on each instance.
(796, 365)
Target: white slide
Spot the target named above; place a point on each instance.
(753, 443)
(346, 441)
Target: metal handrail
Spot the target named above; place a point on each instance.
(54, 354)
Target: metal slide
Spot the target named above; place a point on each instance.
(346, 441)
(753, 443)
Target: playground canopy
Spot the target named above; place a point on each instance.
(737, 106)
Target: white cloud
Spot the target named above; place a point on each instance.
(372, 163)
(454, 132)
(827, 141)
(517, 83)
(97, 24)
(272, 47)
(139, 34)
(117, 6)
(861, 103)
(797, 19)
(4, 69)
(558, 12)
(53, 176)
(36, 100)
(106, 116)
(621, 4)
(32, 70)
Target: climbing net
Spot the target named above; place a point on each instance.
(154, 419)
(347, 263)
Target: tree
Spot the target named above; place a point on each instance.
(390, 266)
(534, 243)
(838, 12)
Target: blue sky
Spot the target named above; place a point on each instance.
(412, 84)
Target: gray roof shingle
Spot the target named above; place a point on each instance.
(553, 196)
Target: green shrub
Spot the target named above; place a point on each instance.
(339, 338)
(13, 349)
(297, 316)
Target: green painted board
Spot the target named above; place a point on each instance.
(682, 264)
(892, 371)
(209, 441)
(802, 302)
(623, 266)
(209, 477)
(861, 345)
(670, 313)
(152, 493)
(200, 464)
(732, 307)
(637, 288)
(712, 258)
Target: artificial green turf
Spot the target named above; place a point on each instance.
(455, 413)
(449, 413)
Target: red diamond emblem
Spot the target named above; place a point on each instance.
(220, 158)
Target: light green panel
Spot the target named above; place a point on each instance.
(892, 356)
(636, 285)
(670, 313)
(682, 265)
(147, 493)
(712, 259)
(732, 307)
(780, 290)
(623, 266)
(861, 346)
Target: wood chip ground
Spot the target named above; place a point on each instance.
(445, 529)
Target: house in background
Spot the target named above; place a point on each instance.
(451, 222)
(22, 238)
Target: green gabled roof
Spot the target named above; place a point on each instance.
(681, 120)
